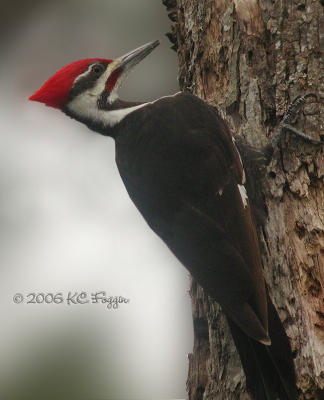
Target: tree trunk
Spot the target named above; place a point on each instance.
(249, 59)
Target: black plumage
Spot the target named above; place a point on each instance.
(182, 169)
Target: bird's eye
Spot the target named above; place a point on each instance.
(97, 69)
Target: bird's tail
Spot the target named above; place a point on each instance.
(269, 370)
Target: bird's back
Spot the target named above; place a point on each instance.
(184, 174)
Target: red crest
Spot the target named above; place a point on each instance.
(55, 91)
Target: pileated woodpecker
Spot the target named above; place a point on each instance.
(182, 169)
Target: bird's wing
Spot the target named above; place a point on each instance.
(188, 182)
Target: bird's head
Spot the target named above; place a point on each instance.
(87, 86)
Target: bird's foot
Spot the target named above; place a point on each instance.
(285, 125)
(301, 134)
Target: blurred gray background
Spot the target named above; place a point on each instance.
(67, 223)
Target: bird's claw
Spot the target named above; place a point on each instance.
(295, 106)
(301, 134)
(289, 116)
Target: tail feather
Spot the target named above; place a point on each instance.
(269, 370)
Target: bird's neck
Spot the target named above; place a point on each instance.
(105, 119)
(122, 104)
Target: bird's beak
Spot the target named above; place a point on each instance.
(118, 70)
(129, 60)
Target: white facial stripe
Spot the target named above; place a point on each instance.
(115, 116)
(113, 94)
(85, 105)
(83, 74)
(101, 82)
(164, 97)
(243, 194)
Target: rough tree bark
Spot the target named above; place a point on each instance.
(249, 59)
